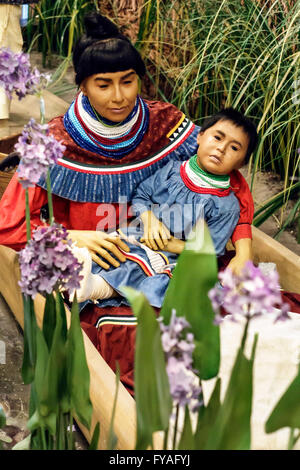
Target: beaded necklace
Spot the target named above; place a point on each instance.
(99, 135)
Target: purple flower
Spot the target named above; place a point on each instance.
(252, 293)
(38, 150)
(17, 76)
(178, 345)
(48, 264)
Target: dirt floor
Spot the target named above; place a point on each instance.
(14, 395)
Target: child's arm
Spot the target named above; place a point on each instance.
(243, 248)
(242, 192)
(242, 234)
(147, 195)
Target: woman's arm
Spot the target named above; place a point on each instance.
(101, 246)
(13, 224)
(12, 213)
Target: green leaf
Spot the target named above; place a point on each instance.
(207, 417)
(78, 371)
(2, 418)
(55, 390)
(112, 438)
(37, 421)
(195, 274)
(286, 412)
(94, 442)
(40, 370)
(24, 444)
(30, 326)
(152, 394)
(187, 441)
(49, 319)
(232, 429)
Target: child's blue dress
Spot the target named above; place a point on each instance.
(166, 194)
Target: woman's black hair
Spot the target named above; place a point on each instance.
(238, 119)
(103, 49)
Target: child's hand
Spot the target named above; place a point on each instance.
(237, 264)
(243, 248)
(175, 245)
(156, 234)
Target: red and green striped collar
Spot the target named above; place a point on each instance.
(199, 181)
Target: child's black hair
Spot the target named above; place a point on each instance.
(237, 118)
(103, 49)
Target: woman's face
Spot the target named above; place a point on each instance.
(112, 95)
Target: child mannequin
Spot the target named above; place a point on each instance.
(169, 203)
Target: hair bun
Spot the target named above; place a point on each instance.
(99, 27)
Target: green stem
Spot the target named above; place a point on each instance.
(50, 204)
(245, 334)
(70, 433)
(296, 438)
(291, 439)
(166, 439)
(42, 110)
(27, 212)
(43, 435)
(175, 428)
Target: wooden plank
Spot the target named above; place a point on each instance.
(267, 250)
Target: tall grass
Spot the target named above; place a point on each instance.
(54, 27)
(205, 55)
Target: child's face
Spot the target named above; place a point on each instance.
(222, 148)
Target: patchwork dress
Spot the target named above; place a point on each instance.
(93, 185)
(167, 193)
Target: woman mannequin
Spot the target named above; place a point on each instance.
(114, 140)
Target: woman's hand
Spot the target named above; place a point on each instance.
(101, 246)
(156, 234)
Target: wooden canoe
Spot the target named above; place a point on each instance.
(103, 383)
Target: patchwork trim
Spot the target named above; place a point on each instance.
(111, 184)
(129, 320)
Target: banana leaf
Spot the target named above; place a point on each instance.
(195, 274)
(152, 394)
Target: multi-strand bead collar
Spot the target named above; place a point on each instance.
(200, 181)
(96, 134)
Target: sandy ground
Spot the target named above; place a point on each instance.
(14, 395)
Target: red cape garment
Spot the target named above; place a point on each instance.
(114, 340)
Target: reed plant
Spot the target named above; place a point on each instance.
(202, 56)
(206, 55)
